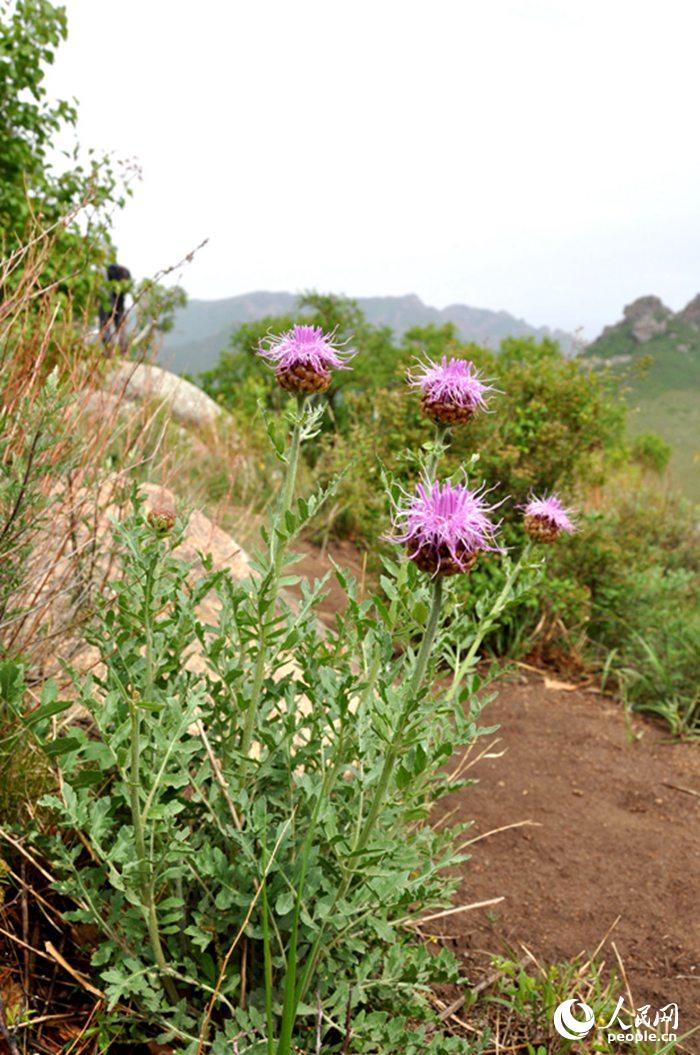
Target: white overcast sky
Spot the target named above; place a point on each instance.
(541, 156)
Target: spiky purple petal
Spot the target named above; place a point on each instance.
(551, 509)
(305, 346)
(456, 382)
(448, 522)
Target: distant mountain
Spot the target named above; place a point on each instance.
(203, 328)
(659, 353)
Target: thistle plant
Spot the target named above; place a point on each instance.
(247, 823)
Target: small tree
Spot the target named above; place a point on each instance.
(34, 193)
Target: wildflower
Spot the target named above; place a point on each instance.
(444, 526)
(546, 518)
(302, 358)
(451, 390)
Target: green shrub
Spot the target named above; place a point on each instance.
(639, 565)
(651, 452)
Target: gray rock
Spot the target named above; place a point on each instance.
(141, 382)
(691, 312)
(648, 317)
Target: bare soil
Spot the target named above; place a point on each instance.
(617, 835)
(614, 843)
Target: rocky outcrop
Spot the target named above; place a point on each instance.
(141, 382)
(691, 312)
(647, 317)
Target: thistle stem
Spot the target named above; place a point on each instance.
(145, 880)
(267, 969)
(387, 769)
(276, 558)
(290, 477)
(440, 443)
(487, 623)
(292, 992)
(413, 690)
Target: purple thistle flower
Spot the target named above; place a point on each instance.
(546, 518)
(444, 526)
(451, 390)
(302, 358)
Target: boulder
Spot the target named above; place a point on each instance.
(142, 382)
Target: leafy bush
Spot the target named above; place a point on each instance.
(34, 193)
(639, 565)
(257, 824)
(651, 452)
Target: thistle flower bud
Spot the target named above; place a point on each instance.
(546, 519)
(161, 516)
(303, 357)
(444, 527)
(451, 390)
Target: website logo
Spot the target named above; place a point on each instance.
(566, 1023)
(573, 1020)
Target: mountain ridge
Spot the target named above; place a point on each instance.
(203, 327)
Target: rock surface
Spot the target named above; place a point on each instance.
(648, 317)
(76, 549)
(691, 312)
(141, 382)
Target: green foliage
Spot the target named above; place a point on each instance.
(262, 818)
(639, 565)
(651, 452)
(673, 415)
(34, 193)
(25, 768)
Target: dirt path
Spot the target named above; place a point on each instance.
(614, 840)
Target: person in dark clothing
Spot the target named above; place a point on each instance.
(113, 309)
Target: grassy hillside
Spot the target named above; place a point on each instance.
(658, 354)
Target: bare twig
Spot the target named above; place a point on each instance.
(79, 978)
(679, 787)
(407, 921)
(495, 831)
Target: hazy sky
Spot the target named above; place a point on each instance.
(541, 156)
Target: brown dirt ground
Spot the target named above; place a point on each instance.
(611, 838)
(614, 839)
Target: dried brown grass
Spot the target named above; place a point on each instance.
(63, 459)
